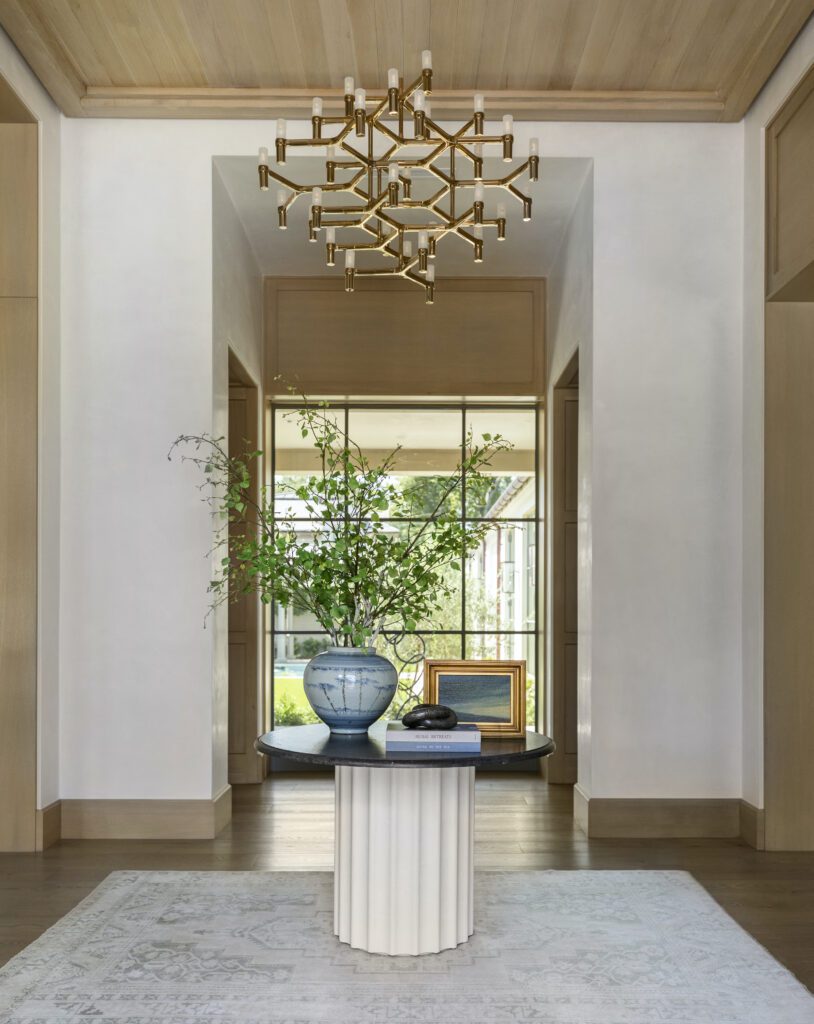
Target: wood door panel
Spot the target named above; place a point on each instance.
(562, 765)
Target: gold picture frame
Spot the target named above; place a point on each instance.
(492, 696)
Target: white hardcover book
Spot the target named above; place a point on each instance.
(397, 735)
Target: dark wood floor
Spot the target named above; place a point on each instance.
(521, 823)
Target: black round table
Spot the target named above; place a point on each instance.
(403, 833)
(315, 744)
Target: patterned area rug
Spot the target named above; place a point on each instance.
(553, 947)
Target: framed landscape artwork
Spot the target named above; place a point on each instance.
(489, 694)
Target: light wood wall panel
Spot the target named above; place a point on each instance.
(481, 337)
(18, 209)
(18, 573)
(18, 485)
(789, 577)
(790, 188)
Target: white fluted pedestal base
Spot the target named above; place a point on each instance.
(403, 862)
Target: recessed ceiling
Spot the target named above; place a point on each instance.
(529, 250)
(702, 60)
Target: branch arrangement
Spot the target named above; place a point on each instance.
(353, 572)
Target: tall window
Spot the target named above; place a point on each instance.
(492, 610)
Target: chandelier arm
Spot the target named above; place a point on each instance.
(465, 128)
(379, 188)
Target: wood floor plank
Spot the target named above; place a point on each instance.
(286, 824)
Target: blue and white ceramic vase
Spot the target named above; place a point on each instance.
(349, 687)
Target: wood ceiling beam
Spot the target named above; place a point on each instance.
(162, 102)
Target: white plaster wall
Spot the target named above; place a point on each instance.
(660, 702)
(143, 689)
(666, 459)
(17, 73)
(237, 309)
(780, 85)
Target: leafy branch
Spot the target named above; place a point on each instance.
(353, 572)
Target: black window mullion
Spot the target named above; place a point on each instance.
(463, 524)
(463, 632)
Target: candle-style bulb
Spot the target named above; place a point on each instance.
(508, 124)
(262, 156)
(420, 100)
(281, 127)
(393, 78)
(350, 259)
(479, 193)
(478, 231)
(426, 60)
(330, 236)
(282, 196)
(348, 85)
(479, 104)
(423, 239)
(316, 196)
(316, 107)
(393, 173)
(431, 273)
(534, 147)
(360, 99)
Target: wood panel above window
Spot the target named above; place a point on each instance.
(482, 336)
(637, 60)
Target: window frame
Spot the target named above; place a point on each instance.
(346, 406)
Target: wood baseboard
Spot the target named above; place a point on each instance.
(752, 825)
(603, 818)
(146, 819)
(48, 828)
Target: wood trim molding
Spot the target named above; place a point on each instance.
(147, 819)
(604, 818)
(48, 825)
(752, 825)
(249, 103)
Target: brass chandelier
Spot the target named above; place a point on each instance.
(381, 186)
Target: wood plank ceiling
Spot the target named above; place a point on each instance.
(694, 60)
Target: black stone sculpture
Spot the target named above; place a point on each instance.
(430, 716)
